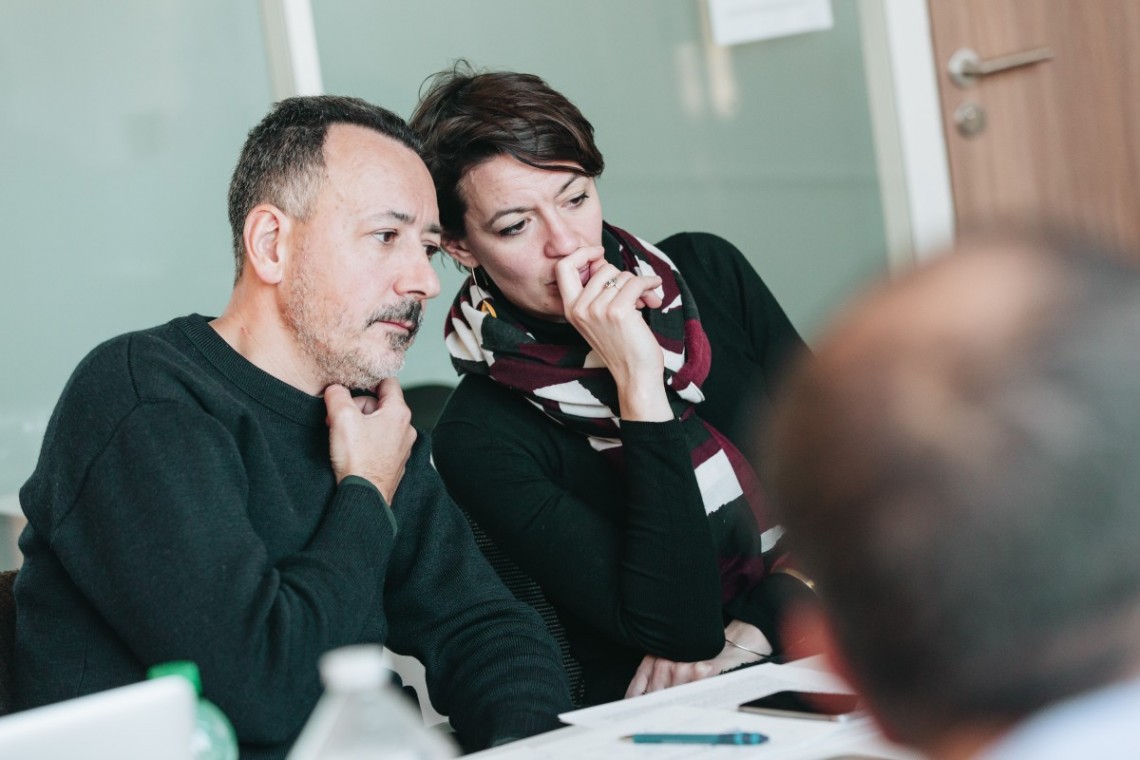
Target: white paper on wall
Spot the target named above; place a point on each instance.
(737, 21)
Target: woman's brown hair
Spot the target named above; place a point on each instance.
(465, 117)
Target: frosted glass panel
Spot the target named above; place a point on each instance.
(120, 123)
(767, 143)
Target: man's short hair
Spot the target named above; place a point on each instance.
(968, 500)
(282, 161)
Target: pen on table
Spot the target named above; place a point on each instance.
(736, 737)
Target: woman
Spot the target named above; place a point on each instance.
(593, 433)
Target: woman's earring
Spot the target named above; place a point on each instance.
(482, 285)
(485, 303)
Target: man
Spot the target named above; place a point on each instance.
(957, 469)
(197, 498)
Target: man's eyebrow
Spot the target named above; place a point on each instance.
(524, 209)
(405, 218)
(399, 216)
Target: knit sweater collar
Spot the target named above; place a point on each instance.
(262, 387)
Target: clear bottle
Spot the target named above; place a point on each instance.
(214, 737)
(363, 715)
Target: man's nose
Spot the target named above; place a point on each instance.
(419, 277)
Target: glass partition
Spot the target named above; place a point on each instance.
(767, 144)
(121, 122)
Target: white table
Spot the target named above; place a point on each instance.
(709, 706)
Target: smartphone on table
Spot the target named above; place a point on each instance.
(805, 704)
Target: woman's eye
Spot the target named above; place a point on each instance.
(432, 250)
(578, 200)
(514, 229)
(385, 236)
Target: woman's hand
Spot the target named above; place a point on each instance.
(656, 673)
(604, 309)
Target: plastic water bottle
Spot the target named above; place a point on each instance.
(214, 737)
(363, 715)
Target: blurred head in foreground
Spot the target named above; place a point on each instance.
(958, 467)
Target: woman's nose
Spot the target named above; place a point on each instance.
(562, 239)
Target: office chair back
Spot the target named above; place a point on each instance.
(7, 638)
(527, 591)
(426, 402)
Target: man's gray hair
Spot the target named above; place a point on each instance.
(969, 504)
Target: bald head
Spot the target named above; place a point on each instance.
(956, 466)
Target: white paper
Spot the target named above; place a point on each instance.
(737, 21)
(722, 692)
(783, 734)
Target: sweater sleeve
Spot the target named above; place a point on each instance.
(254, 625)
(732, 296)
(490, 664)
(644, 575)
(764, 343)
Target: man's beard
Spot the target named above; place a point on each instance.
(337, 347)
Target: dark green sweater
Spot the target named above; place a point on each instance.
(627, 561)
(183, 507)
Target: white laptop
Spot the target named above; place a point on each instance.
(149, 720)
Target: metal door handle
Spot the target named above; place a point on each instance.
(966, 67)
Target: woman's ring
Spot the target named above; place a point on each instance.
(610, 282)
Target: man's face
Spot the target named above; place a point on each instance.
(360, 267)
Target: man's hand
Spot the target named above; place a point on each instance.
(656, 673)
(370, 437)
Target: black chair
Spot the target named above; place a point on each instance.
(527, 591)
(426, 402)
(7, 638)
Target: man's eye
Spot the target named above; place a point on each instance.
(432, 250)
(385, 236)
(514, 229)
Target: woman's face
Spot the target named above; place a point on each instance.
(520, 221)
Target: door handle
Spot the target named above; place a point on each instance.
(966, 67)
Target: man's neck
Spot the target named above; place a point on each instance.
(964, 743)
(256, 332)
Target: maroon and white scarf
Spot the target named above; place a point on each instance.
(569, 382)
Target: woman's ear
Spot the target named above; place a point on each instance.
(457, 249)
(266, 236)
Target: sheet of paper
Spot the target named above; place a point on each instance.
(737, 21)
(722, 692)
(783, 734)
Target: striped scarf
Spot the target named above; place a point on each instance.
(570, 384)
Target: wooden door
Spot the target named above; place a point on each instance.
(1061, 141)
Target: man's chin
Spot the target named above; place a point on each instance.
(366, 378)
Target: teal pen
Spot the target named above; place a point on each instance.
(737, 737)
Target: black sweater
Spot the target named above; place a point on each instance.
(183, 507)
(628, 562)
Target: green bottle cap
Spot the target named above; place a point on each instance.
(185, 668)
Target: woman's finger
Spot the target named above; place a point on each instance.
(662, 677)
(631, 291)
(600, 281)
(571, 270)
(640, 680)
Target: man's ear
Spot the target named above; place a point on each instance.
(807, 631)
(457, 249)
(266, 238)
